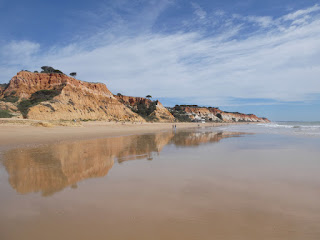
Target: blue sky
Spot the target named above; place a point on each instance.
(252, 56)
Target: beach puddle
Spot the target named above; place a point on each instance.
(195, 184)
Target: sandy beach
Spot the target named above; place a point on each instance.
(31, 132)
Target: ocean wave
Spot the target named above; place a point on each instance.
(276, 125)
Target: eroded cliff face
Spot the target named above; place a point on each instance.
(70, 98)
(133, 101)
(147, 108)
(8, 106)
(195, 113)
(162, 113)
(237, 117)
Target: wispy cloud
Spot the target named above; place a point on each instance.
(301, 12)
(264, 21)
(279, 59)
(18, 49)
(199, 11)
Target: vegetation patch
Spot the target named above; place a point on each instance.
(179, 113)
(151, 118)
(144, 111)
(181, 117)
(10, 97)
(48, 69)
(3, 86)
(5, 114)
(36, 98)
(44, 95)
(219, 116)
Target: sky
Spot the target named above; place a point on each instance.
(250, 56)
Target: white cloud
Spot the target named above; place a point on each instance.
(199, 11)
(302, 12)
(300, 21)
(264, 21)
(19, 49)
(219, 12)
(281, 65)
(16, 56)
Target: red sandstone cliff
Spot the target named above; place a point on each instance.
(157, 111)
(72, 99)
(2, 87)
(195, 113)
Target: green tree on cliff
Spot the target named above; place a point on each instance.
(48, 69)
(73, 74)
(149, 96)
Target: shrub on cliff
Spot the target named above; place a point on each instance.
(151, 118)
(24, 106)
(3, 85)
(144, 110)
(36, 98)
(10, 97)
(181, 117)
(177, 108)
(179, 113)
(44, 95)
(5, 114)
(219, 116)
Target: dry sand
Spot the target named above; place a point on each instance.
(15, 133)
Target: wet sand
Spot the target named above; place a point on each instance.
(188, 184)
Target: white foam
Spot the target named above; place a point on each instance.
(287, 128)
(275, 125)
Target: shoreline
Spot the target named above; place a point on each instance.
(30, 132)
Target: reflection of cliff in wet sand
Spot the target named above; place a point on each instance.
(50, 169)
(142, 146)
(197, 138)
